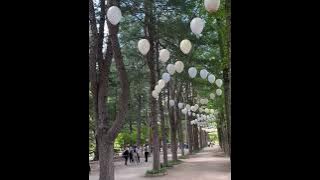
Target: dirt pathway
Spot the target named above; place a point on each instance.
(209, 164)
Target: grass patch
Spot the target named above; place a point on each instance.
(172, 163)
(166, 166)
(161, 171)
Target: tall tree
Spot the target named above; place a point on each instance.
(106, 130)
(161, 111)
(179, 121)
(173, 120)
(150, 34)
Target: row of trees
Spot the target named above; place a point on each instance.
(115, 67)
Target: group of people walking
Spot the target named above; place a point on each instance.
(133, 153)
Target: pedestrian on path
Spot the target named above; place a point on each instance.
(125, 154)
(131, 154)
(138, 152)
(146, 152)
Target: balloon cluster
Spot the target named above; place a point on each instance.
(157, 89)
(196, 25)
(192, 71)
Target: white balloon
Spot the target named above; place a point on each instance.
(188, 107)
(202, 101)
(211, 5)
(170, 68)
(180, 105)
(179, 66)
(184, 111)
(166, 77)
(200, 110)
(155, 94)
(206, 100)
(212, 96)
(144, 46)
(203, 73)
(219, 82)
(192, 72)
(196, 105)
(171, 102)
(211, 111)
(197, 25)
(114, 15)
(211, 78)
(185, 46)
(193, 114)
(206, 110)
(158, 88)
(161, 83)
(192, 108)
(219, 92)
(164, 55)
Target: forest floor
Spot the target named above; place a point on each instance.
(208, 164)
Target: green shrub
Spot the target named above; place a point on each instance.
(153, 172)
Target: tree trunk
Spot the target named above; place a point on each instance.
(107, 132)
(227, 73)
(96, 150)
(172, 117)
(139, 121)
(150, 34)
(190, 135)
(161, 111)
(179, 122)
(201, 135)
(189, 119)
(227, 96)
(220, 136)
(195, 137)
(180, 132)
(106, 160)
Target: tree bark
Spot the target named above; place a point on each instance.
(130, 131)
(139, 120)
(195, 137)
(173, 127)
(150, 34)
(96, 150)
(161, 111)
(190, 135)
(200, 137)
(179, 122)
(189, 119)
(106, 131)
(227, 73)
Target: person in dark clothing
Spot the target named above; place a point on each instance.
(131, 154)
(146, 152)
(125, 154)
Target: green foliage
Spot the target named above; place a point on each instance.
(172, 22)
(172, 163)
(155, 172)
(213, 136)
